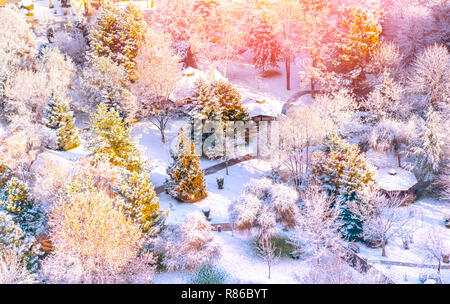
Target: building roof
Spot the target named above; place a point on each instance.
(395, 179)
(263, 106)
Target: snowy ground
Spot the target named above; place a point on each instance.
(243, 265)
(218, 200)
(428, 214)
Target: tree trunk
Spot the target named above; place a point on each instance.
(163, 135)
(398, 159)
(288, 71)
(383, 248)
(313, 85)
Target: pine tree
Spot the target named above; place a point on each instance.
(16, 199)
(67, 133)
(219, 101)
(111, 100)
(141, 202)
(426, 150)
(116, 34)
(5, 174)
(110, 141)
(55, 108)
(344, 173)
(357, 35)
(186, 179)
(262, 39)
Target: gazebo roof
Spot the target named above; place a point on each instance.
(395, 179)
(263, 106)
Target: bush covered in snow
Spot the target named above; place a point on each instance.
(263, 205)
(190, 245)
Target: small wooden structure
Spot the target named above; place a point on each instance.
(397, 181)
(263, 109)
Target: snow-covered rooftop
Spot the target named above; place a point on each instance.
(263, 106)
(395, 179)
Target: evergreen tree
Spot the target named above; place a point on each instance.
(344, 172)
(5, 174)
(186, 179)
(111, 100)
(263, 41)
(67, 133)
(116, 34)
(219, 101)
(110, 141)
(141, 202)
(16, 199)
(54, 110)
(426, 150)
(357, 35)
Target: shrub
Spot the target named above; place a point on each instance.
(209, 274)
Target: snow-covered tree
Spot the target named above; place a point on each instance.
(12, 269)
(263, 41)
(390, 135)
(28, 90)
(17, 40)
(157, 73)
(54, 109)
(110, 140)
(17, 200)
(299, 131)
(315, 30)
(116, 34)
(5, 174)
(430, 76)
(141, 202)
(105, 246)
(101, 76)
(382, 216)
(190, 245)
(386, 58)
(434, 247)
(21, 144)
(219, 100)
(268, 251)
(263, 205)
(317, 231)
(344, 172)
(337, 109)
(387, 100)
(426, 148)
(111, 100)
(415, 26)
(67, 132)
(357, 36)
(58, 116)
(13, 239)
(72, 41)
(186, 178)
